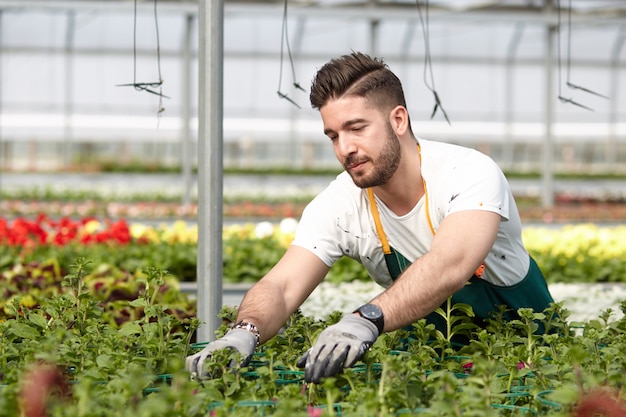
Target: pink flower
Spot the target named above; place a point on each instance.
(314, 411)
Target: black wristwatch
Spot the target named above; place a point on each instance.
(374, 314)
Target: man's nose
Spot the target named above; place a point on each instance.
(345, 145)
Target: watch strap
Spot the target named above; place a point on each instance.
(250, 327)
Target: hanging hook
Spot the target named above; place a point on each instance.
(570, 101)
(146, 86)
(569, 60)
(428, 69)
(586, 90)
(439, 106)
(285, 41)
(284, 96)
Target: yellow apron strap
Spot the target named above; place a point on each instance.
(430, 223)
(379, 225)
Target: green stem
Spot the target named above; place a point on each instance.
(530, 343)
(330, 403)
(449, 321)
(381, 385)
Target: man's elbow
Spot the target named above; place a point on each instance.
(458, 284)
(459, 278)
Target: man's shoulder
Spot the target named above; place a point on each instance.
(440, 154)
(443, 148)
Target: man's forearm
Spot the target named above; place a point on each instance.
(415, 294)
(264, 306)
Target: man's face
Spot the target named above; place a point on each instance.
(363, 140)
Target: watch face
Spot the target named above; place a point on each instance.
(371, 312)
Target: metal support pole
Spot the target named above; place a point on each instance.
(4, 147)
(69, 90)
(373, 36)
(210, 163)
(547, 171)
(509, 84)
(187, 160)
(611, 146)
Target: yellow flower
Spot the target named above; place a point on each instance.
(178, 232)
(91, 227)
(140, 231)
(27, 301)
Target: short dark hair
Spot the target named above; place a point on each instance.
(357, 74)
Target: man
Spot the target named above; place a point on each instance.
(427, 220)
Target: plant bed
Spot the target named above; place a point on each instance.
(62, 357)
(117, 337)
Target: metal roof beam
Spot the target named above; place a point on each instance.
(401, 11)
(408, 11)
(403, 56)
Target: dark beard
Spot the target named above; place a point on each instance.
(384, 167)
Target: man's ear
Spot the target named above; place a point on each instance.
(399, 120)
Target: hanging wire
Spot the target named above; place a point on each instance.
(569, 60)
(569, 54)
(285, 41)
(428, 68)
(160, 109)
(147, 86)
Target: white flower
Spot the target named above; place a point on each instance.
(288, 226)
(263, 230)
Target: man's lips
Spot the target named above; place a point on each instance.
(355, 165)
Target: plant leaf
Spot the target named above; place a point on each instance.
(24, 331)
(38, 320)
(129, 329)
(104, 361)
(139, 302)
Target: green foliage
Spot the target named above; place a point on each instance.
(107, 366)
(136, 368)
(244, 259)
(347, 270)
(179, 259)
(458, 322)
(247, 260)
(26, 287)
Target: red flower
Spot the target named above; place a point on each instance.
(467, 367)
(600, 402)
(22, 233)
(44, 231)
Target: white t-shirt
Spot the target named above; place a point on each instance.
(338, 222)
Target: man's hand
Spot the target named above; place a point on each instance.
(239, 340)
(338, 346)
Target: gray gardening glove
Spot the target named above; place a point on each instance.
(338, 346)
(239, 340)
